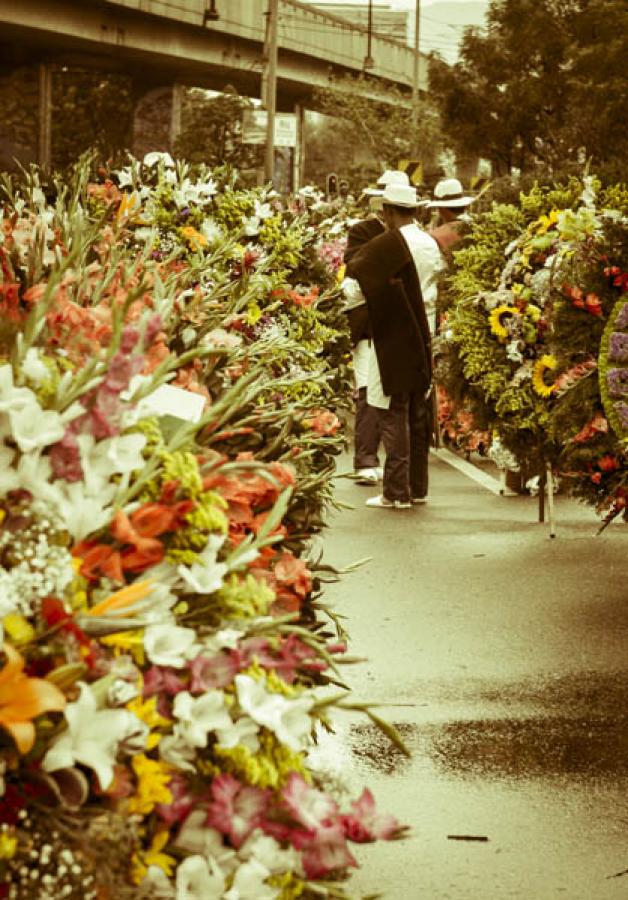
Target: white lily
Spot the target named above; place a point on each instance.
(198, 716)
(33, 427)
(11, 397)
(206, 575)
(195, 836)
(199, 879)
(34, 368)
(92, 738)
(266, 850)
(225, 639)
(242, 733)
(173, 749)
(287, 719)
(156, 157)
(249, 883)
(169, 645)
(156, 885)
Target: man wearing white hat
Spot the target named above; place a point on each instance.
(367, 434)
(450, 201)
(400, 366)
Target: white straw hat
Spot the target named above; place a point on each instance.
(400, 195)
(390, 176)
(449, 193)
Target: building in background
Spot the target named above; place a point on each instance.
(396, 24)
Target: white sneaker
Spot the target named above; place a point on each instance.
(380, 502)
(418, 500)
(366, 476)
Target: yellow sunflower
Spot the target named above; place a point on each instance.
(544, 223)
(546, 363)
(497, 318)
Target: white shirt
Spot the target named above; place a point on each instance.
(428, 262)
(365, 365)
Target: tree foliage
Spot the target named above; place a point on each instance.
(545, 83)
(211, 130)
(372, 128)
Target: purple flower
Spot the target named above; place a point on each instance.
(622, 318)
(622, 412)
(617, 380)
(130, 337)
(618, 347)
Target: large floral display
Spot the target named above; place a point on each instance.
(534, 335)
(171, 368)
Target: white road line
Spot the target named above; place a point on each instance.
(468, 469)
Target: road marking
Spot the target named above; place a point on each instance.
(468, 469)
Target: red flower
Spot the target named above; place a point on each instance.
(365, 824)
(236, 809)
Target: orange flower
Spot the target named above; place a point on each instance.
(23, 698)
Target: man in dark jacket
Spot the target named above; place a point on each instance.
(385, 270)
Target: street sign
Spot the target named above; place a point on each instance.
(254, 128)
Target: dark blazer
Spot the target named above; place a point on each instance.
(359, 235)
(386, 273)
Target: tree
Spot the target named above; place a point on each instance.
(211, 130)
(371, 128)
(518, 92)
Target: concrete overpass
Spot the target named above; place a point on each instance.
(175, 41)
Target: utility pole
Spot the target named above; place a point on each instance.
(415, 67)
(269, 82)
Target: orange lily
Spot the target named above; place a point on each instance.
(23, 698)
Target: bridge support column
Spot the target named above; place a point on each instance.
(44, 146)
(298, 159)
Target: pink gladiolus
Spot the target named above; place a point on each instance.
(213, 672)
(236, 810)
(310, 807)
(161, 679)
(183, 802)
(65, 458)
(365, 824)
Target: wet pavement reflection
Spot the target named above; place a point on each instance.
(505, 660)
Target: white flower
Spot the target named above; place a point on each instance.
(196, 836)
(249, 883)
(206, 575)
(212, 231)
(33, 367)
(269, 853)
(288, 719)
(34, 427)
(225, 639)
(82, 512)
(199, 879)
(92, 738)
(156, 885)
(174, 750)
(169, 645)
(199, 715)
(242, 733)
(155, 157)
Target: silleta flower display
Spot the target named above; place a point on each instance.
(164, 662)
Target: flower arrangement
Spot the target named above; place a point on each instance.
(524, 336)
(166, 444)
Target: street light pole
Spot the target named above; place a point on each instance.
(415, 66)
(270, 98)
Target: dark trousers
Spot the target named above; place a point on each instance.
(405, 429)
(367, 434)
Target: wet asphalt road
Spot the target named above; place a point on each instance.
(505, 655)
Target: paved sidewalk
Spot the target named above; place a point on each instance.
(507, 654)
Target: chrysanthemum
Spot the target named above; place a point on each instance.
(498, 317)
(542, 366)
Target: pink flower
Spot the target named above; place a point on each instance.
(161, 679)
(236, 810)
(65, 458)
(324, 852)
(213, 672)
(182, 801)
(364, 823)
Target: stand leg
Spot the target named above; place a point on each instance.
(542, 482)
(550, 501)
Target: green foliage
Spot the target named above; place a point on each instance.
(543, 84)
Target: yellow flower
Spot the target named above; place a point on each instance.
(544, 223)
(153, 778)
(141, 860)
(127, 642)
(18, 628)
(497, 317)
(146, 710)
(196, 240)
(546, 363)
(8, 845)
(341, 274)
